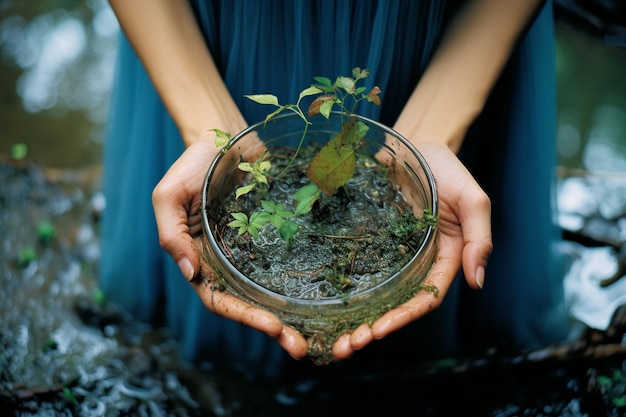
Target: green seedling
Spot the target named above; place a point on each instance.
(26, 256)
(46, 233)
(19, 151)
(331, 168)
(614, 387)
(250, 225)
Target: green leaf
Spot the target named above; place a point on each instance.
(311, 91)
(26, 255)
(359, 74)
(264, 166)
(306, 197)
(259, 219)
(244, 190)
(69, 395)
(242, 218)
(222, 139)
(274, 113)
(359, 90)
(241, 221)
(270, 206)
(245, 167)
(334, 164)
(354, 134)
(326, 108)
(98, 297)
(345, 83)
(324, 81)
(620, 401)
(287, 230)
(258, 169)
(19, 151)
(277, 213)
(264, 99)
(279, 218)
(45, 232)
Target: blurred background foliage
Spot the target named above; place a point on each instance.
(58, 57)
(57, 61)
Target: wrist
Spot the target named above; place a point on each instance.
(193, 133)
(444, 136)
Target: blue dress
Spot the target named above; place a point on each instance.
(278, 46)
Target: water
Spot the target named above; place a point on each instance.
(332, 255)
(57, 66)
(591, 134)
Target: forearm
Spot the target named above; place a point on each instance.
(456, 84)
(167, 39)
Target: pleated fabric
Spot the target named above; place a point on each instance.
(278, 46)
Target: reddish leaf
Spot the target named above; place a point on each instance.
(373, 95)
(314, 108)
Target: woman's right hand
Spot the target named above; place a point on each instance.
(176, 202)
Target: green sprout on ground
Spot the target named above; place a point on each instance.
(19, 151)
(45, 233)
(614, 386)
(26, 256)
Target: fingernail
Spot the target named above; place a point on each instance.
(185, 267)
(480, 276)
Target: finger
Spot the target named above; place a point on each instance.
(224, 304)
(293, 342)
(440, 276)
(174, 236)
(341, 348)
(476, 227)
(194, 222)
(404, 314)
(173, 200)
(361, 337)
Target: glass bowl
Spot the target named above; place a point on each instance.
(323, 319)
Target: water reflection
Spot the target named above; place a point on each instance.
(57, 71)
(606, 144)
(591, 132)
(66, 61)
(568, 139)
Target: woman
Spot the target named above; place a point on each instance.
(473, 80)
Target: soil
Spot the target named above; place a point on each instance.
(66, 351)
(349, 242)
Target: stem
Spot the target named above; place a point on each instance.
(295, 154)
(353, 238)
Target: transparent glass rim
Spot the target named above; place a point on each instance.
(329, 302)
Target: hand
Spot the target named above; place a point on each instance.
(464, 239)
(176, 202)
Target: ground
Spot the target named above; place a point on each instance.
(67, 351)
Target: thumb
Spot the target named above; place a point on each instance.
(173, 229)
(476, 227)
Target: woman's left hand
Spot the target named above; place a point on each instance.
(464, 229)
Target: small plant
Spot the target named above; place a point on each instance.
(26, 256)
(46, 233)
(19, 151)
(331, 168)
(614, 387)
